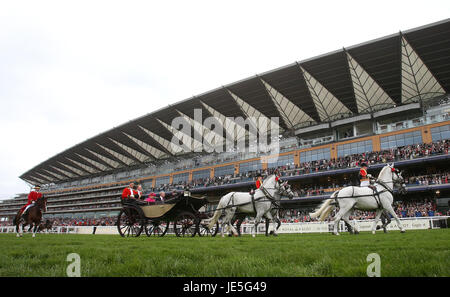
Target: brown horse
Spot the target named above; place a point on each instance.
(45, 226)
(32, 217)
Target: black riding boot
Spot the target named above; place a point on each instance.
(24, 216)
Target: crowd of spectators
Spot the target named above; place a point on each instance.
(430, 179)
(88, 206)
(104, 221)
(386, 156)
(64, 222)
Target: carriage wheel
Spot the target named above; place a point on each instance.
(203, 229)
(128, 223)
(157, 228)
(185, 224)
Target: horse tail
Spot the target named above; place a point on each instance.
(324, 208)
(222, 203)
(14, 220)
(329, 208)
(326, 212)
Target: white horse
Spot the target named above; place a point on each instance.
(268, 195)
(363, 198)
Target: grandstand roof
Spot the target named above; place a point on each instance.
(405, 67)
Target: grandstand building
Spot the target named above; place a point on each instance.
(385, 100)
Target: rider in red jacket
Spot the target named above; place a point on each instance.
(363, 175)
(259, 180)
(32, 197)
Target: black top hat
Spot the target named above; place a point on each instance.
(363, 164)
(258, 175)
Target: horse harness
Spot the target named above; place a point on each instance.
(253, 200)
(272, 199)
(376, 194)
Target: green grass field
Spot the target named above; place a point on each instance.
(415, 253)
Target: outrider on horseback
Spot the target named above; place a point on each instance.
(31, 213)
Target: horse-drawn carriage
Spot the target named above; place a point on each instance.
(182, 212)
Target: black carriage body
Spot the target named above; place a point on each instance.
(183, 211)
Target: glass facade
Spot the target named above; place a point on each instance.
(280, 161)
(440, 133)
(201, 174)
(398, 140)
(314, 155)
(250, 166)
(182, 177)
(224, 170)
(354, 148)
(162, 180)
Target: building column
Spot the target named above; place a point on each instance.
(426, 135)
(376, 144)
(333, 151)
(297, 158)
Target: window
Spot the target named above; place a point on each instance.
(280, 161)
(440, 133)
(147, 183)
(314, 155)
(398, 140)
(182, 177)
(250, 166)
(162, 181)
(224, 170)
(201, 174)
(354, 148)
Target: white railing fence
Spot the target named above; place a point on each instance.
(417, 223)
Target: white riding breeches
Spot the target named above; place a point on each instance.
(26, 208)
(365, 183)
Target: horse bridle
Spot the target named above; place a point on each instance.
(43, 206)
(398, 181)
(272, 199)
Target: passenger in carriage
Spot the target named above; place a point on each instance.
(151, 198)
(139, 191)
(168, 196)
(161, 197)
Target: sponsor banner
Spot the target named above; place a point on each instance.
(321, 227)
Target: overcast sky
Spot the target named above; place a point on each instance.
(70, 70)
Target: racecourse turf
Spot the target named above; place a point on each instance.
(415, 253)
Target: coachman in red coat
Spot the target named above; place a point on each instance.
(130, 192)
